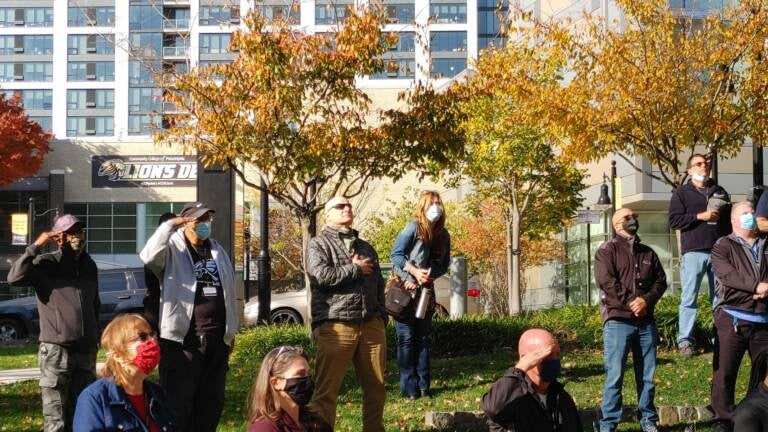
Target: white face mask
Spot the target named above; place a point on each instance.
(700, 178)
(434, 212)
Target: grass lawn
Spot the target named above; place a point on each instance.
(18, 356)
(458, 384)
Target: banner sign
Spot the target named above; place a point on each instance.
(143, 171)
(19, 225)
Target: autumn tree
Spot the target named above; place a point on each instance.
(508, 158)
(23, 143)
(289, 107)
(659, 84)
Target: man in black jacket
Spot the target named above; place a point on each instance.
(699, 210)
(631, 281)
(741, 313)
(528, 397)
(65, 282)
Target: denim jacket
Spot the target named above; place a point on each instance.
(104, 406)
(408, 248)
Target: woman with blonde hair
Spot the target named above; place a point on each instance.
(420, 255)
(124, 399)
(281, 392)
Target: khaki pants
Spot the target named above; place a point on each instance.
(363, 344)
(64, 373)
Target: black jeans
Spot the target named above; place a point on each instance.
(752, 413)
(193, 375)
(731, 342)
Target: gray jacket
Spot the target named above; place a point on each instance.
(167, 256)
(340, 291)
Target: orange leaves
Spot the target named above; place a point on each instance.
(23, 143)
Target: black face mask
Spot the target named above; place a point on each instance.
(300, 389)
(630, 226)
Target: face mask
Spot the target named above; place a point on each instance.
(550, 370)
(748, 221)
(300, 389)
(631, 226)
(147, 356)
(203, 230)
(700, 178)
(433, 213)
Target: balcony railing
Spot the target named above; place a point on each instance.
(176, 51)
(176, 24)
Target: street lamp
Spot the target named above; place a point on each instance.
(263, 260)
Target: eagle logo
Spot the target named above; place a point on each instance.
(113, 169)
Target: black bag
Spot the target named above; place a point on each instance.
(397, 300)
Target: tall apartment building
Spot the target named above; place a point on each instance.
(86, 71)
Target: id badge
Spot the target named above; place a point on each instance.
(209, 291)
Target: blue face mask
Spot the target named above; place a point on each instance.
(550, 370)
(203, 230)
(748, 221)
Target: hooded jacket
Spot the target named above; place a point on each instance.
(687, 201)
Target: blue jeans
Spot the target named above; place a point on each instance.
(413, 343)
(694, 266)
(618, 339)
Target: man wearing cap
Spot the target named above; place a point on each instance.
(348, 316)
(198, 319)
(67, 290)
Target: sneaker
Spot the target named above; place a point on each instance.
(686, 351)
(650, 428)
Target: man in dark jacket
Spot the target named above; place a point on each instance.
(528, 397)
(699, 210)
(631, 281)
(347, 316)
(65, 282)
(741, 314)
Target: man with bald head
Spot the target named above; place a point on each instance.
(631, 281)
(528, 396)
(741, 312)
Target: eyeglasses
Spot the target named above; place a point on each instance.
(700, 164)
(207, 219)
(342, 206)
(144, 336)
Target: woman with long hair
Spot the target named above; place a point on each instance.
(281, 392)
(420, 255)
(124, 399)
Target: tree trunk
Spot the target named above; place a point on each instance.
(305, 222)
(513, 267)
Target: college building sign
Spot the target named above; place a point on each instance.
(143, 171)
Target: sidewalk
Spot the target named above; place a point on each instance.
(10, 376)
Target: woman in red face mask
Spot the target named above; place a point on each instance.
(124, 399)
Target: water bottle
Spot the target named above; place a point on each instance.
(423, 304)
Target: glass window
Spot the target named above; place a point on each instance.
(405, 43)
(110, 227)
(112, 282)
(215, 15)
(146, 45)
(145, 99)
(448, 41)
(156, 209)
(84, 99)
(214, 43)
(144, 124)
(100, 16)
(145, 18)
(33, 17)
(448, 13)
(90, 126)
(28, 44)
(447, 67)
(142, 73)
(399, 13)
(397, 68)
(100, 71)
(330, 14)
(284, 11)
(45, 122)
(36, 99)
(38, 71)
(90, 44)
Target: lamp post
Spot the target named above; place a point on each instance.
(32, 216)
(247, 269)
(263, 260)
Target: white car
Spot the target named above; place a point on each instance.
(286, 308)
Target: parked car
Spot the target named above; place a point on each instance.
(120, 290)
(291, 307)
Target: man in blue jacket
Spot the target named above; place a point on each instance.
(697, 210)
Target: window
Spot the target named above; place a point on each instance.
(146, 45)
(397, 68)
(26, 44)
(214, 43)
(216, 15)
(35, 99)
(447, 67)
(145, 99)
(330, 14)
(96, 98)
(448, 13)
(26, 72)
(99, 16)
(141, 73)
(405, 43)
(453, 41)
(156, 209)
(44, 122)
(145, 18)
(110, 227)
(26, 17)
(144, 124)
(89, 44)
(90, 71)
(399, 13)
(278, 10)
(90, 126)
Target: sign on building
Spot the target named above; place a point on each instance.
(586, 216)
(143, 171)
(19, 229)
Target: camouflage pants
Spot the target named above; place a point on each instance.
(64, 373)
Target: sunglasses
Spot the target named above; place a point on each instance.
(700, 164)
(144, 336)
(288, 348)
(342, 206)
